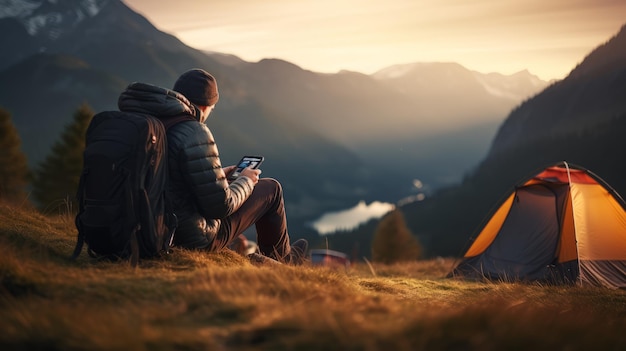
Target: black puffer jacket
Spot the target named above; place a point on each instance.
(200, 193)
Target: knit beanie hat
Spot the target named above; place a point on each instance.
(198, 86)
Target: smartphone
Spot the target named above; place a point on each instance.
(246, 161)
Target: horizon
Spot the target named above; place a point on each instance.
(548, 39)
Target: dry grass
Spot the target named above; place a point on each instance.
(200, 301)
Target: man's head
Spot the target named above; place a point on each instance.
(199, 87)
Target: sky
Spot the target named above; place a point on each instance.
(546, 37)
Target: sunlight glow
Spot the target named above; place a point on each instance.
(549, 38)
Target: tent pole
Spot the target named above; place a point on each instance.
(569, 184)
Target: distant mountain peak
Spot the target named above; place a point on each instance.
(401, 70)
(50, 18)
(443, 77)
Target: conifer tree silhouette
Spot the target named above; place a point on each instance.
(14, 172)
(393, 241)
(56, 177)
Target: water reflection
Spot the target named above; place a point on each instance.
(352, 217)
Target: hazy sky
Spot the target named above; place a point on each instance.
(547, 37)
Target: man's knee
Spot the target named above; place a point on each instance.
(272, 185)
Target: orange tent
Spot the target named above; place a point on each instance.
(562, 225)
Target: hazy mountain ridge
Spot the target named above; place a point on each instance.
(362, 112)
(581, 120)
(477, 97)
(517, 86)
(354, 128)
(594, 92)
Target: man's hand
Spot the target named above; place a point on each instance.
(228, 170)
(252, 174)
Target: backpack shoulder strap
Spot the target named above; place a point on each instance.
(169, 122)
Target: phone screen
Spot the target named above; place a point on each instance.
(246, 161)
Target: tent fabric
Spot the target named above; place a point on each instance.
(562, 225)
(329, 258)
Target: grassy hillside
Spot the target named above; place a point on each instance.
(200, 301)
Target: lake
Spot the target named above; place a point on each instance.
(352, 217)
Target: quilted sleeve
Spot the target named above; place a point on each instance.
(201, 169)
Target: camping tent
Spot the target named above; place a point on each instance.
(562, 225)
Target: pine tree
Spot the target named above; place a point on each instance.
(14, 171)
(57, 176)
(393, 241)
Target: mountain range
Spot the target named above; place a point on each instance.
(580, 120)
(331, 139)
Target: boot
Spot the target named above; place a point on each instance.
(297, 255)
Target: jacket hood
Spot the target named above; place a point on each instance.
(155, 101)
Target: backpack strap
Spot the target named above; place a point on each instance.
(136, 226)
(79, 242)
(80, 195)
(134, 246)
(171, 218)
(169, 122)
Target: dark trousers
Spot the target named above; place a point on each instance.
(265, 208)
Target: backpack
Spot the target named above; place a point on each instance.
(123, 209)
